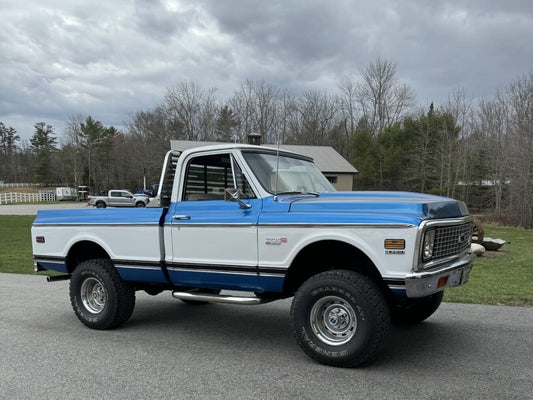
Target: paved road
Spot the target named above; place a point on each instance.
(171, 350)
(31, 209)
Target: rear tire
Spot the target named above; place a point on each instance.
(100, 204)
(99, 297)
(340, 318)
(414, 311)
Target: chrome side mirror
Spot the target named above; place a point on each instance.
(231, 194)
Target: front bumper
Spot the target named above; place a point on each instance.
(425, 283)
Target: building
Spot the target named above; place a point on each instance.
(335, 167)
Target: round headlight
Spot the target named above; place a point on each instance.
(429, 242)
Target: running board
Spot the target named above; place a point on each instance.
(216, 298)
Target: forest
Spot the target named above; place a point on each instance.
(478, 151)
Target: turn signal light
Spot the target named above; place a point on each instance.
(395, 244)
(39, 239)
(443, 280)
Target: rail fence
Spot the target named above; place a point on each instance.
(13, 185)
(14, 197)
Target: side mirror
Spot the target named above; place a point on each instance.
(232, 194)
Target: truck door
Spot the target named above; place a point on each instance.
(214, 241)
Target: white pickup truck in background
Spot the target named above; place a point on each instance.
(118, 198)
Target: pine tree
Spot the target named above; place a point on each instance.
(43, 144)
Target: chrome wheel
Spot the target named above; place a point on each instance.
(93, 295)
(333, 320)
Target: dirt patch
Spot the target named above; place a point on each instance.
(491, 254)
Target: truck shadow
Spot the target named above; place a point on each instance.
(266, 328)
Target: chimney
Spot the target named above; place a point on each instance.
(254, 138)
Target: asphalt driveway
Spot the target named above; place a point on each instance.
(171, 350)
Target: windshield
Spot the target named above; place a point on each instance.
(295, 175)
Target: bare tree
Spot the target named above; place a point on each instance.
(255, 105)
(520, 99)
(317, 112)
(192, 107)
(383, 99)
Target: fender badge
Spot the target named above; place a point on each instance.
(275, 241)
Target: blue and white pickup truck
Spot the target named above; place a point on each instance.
(264, 225)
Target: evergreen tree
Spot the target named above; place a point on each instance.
(226, 125)
(8, 148)
(43, 144)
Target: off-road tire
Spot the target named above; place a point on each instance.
(414, 311)
(99, 297)
(340, 318)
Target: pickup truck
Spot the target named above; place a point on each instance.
(248, 225)
(118, 198)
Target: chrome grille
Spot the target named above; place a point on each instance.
(451, 240)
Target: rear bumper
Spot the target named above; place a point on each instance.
(425, 283)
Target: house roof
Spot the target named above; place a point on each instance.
(326, 158)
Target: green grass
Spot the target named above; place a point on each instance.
(504, 277)
(15, 244)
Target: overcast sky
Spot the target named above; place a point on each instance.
(108, 59)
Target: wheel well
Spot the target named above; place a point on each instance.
(325, 256)
(82, 251)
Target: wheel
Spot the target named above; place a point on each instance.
(414, 311)
(198, 302)
(100, 204)
(340, 318)
(99, 297)
(140, 204)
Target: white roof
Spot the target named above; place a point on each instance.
(327, 159)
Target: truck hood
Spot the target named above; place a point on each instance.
(383, 205)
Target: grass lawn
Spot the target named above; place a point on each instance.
(15, 244)
(504, 277)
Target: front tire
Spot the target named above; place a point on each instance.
(340, 318)
(140, 204)
(99, 297)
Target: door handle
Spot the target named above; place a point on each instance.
(181, 217)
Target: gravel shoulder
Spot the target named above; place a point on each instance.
(31, 209)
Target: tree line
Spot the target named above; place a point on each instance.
(480, 152)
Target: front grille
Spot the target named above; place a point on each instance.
(451, 240)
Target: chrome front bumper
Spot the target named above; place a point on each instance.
(425, 283)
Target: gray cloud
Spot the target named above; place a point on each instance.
(111, 59)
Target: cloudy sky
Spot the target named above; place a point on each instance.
(108, 59)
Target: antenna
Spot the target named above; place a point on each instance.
(277, 170)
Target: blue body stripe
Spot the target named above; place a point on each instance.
(215, 280)
(150, 275)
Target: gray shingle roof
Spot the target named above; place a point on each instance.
(326, 157)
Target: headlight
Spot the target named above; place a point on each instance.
(429, 241)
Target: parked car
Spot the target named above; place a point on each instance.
(118, 198)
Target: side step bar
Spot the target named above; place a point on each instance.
(217, 298)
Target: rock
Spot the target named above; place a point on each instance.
(491, 244)
(477, 249)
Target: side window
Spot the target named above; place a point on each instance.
(115, 194)
(208, 176)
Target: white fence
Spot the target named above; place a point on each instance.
(6, 198)
(3, 184)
